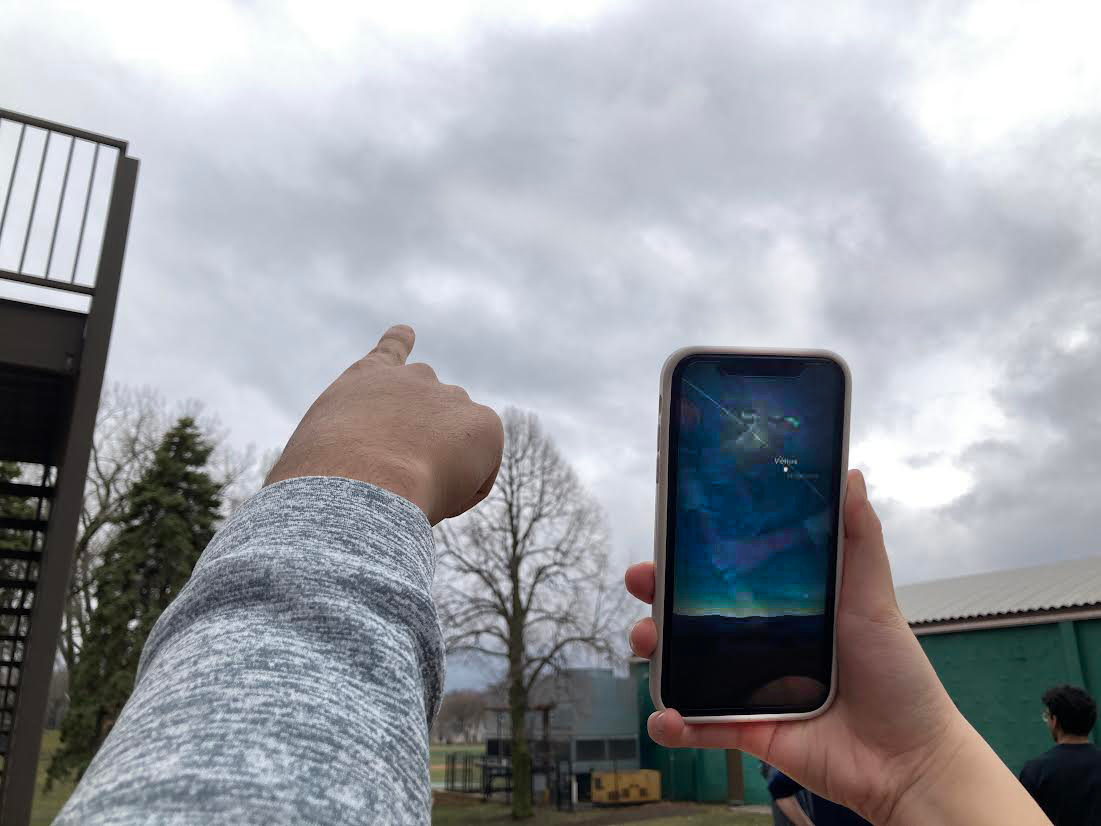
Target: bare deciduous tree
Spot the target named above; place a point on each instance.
(240, 472)
(129, 425)
(524, 577)
(460, 715)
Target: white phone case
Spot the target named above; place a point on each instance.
(661, 507)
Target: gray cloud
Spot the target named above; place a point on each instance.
(557, 209)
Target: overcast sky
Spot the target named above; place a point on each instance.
(557, 200)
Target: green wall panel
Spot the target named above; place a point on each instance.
(710, 776)
(1089, 651)
(648, 750)
(756, 790)
(681, 767)
(996, 676)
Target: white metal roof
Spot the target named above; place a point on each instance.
(1056, 586)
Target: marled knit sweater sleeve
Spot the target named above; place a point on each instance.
(292, 680)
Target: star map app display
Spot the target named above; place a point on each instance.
(753, 533)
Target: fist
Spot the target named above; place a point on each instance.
(396, 426)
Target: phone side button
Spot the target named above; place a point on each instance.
(657, 469)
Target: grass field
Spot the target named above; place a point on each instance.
(715, 816)
(451, 811)
(46, 806)
(439, 755)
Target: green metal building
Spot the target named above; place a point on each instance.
(997, 640)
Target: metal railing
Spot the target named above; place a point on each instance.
(66, 197)
(57, 186)
(463, 771)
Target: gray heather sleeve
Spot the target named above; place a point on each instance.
(292, 680)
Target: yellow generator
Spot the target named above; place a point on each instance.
(640, 786)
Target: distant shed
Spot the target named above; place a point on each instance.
(584, 717)
(999, 639)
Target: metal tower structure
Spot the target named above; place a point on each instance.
(65, 212)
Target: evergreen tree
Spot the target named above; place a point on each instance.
(12, 540)
(169, 517)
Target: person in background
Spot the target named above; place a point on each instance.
(802, 808)
(789, 800)
(1066, 780)
(295, 677)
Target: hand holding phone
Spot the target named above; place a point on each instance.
(892, 746)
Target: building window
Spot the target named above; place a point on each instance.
(591, 750)
(623, 748)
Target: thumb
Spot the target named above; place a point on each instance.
(866, 584)
(667, 727)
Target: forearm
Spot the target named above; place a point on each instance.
(793, 811)
(968, 785)
(293, 678)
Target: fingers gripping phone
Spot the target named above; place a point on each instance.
(752, 458)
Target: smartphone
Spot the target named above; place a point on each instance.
(752, 460)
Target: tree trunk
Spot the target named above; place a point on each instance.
(521, 760)
(518, 705)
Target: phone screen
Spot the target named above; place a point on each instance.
(756, 447)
